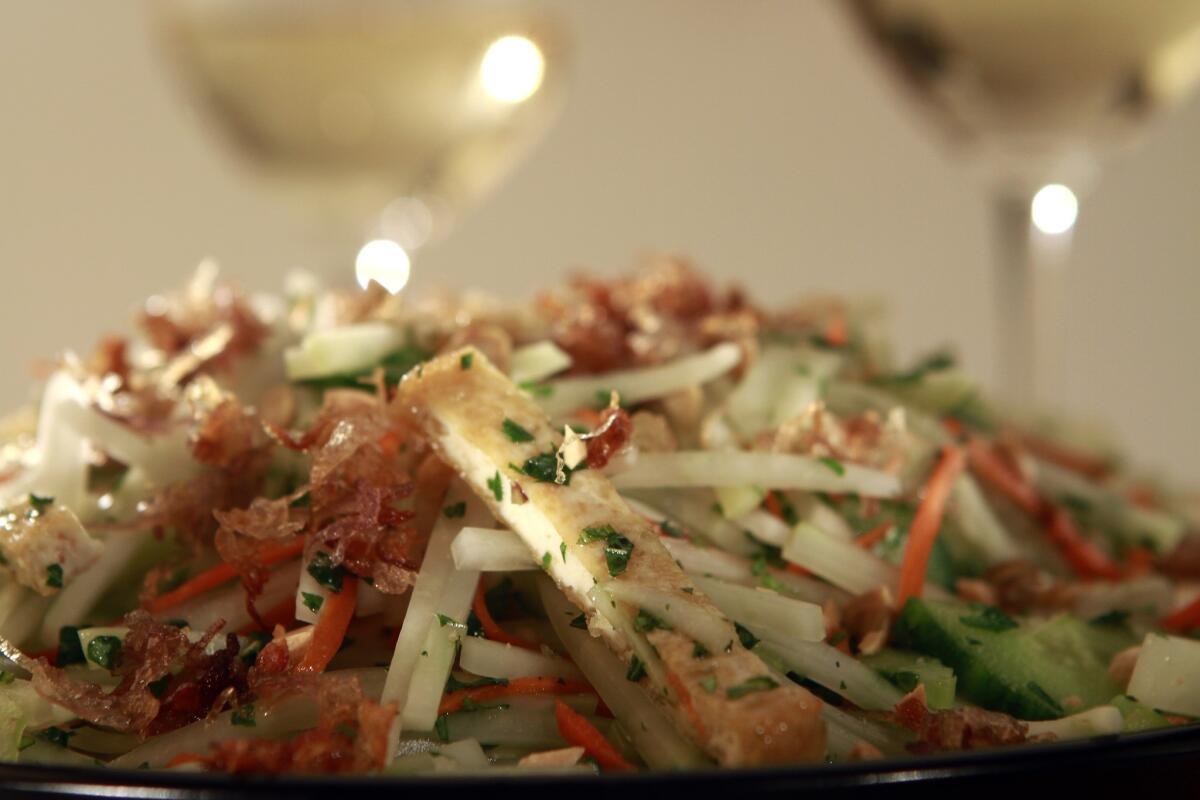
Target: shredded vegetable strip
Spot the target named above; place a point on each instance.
(927, 522)
(576, 730)
(1184, 618)
(280, 614)
(221, 573)
(330, 628)
(517, 687)
(874, 536)
(491, 629)
(996, 474)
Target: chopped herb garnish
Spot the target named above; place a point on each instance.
(637, 670)
(312, 602)
(544, 468)
(105, 651)
(645, 621)
(935, 362)
(54, 576)
(670, 529)
(760, 683)
(989, 618)
(7, 677)
(496, 484)
(159, 687)
(442, 728)
(444, 620)
(244, 716)
(747, 638)
(688, 590)
(515, 432)
(257, 641)
(56, 736)
(700, 651)
(466, 360)
(562, 548)
(580, 622)
(535, 389)
(709, 683)
(547, 560)
(834, 465)
(617, 548)
(26, 742)
(325, 572)
(40, 504)
(395, 365)
(903, 680)
(455, 511)
(70, 649)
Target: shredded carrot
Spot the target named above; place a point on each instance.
(1183, 619)
(589, 416)
(221, 573)
(954, 427)
(577, 731)
(1085, 464)
(1088, 560)
(992, 469)
(490, 628)
(1138, 562)
(453, 701)
(186, 758)
(874, 536)
(927, 522)
(837, 328)
(774, 507)
(796, 569)
(281, 614)
(330, 628)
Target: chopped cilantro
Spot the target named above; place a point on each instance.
(760, 683)
(54, 576)
(395, 365)
(547, 560)
(544, 468)
(40, 504)
(637, 670)
(988, 618)
(70, 649)
(617, 548)
(1045, 697)
(455, 511)
(312, 602)
(747, 638)
(515, 432)
(535, 389)
(496, 484)
(244, 716)
(325, 572)
(442, 728)
(562, 548)
(709, 683)
(7, 677)
(670, 529)
(645, 621)
(834, 465)
(466, 360)
(56, 736)
(105, 651)
(159, 687)
(580, 622)
(444, 620)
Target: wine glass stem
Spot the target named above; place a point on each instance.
(1014, 297)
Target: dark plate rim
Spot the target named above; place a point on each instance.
(1116, 750)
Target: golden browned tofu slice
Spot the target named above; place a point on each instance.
(597, 550)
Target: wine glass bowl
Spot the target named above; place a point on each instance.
(382, 120)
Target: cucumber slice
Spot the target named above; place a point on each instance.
(906, 670)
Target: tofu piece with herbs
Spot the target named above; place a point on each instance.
(609, 562)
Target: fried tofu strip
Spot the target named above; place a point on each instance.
(720, 695)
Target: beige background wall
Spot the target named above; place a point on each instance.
(752, 135)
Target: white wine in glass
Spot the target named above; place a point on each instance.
(382, 118)
(1034, 94)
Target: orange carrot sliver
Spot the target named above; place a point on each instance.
(454, 701)
(491, 629)
(281, 614)
(330, 628)
(837, 329)
(186, 758)
(577, 731)
(221, 573)
(927, 522)
(988, 466)
(874, 536)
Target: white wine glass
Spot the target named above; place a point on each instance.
(382, 119)
(1034, 95)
